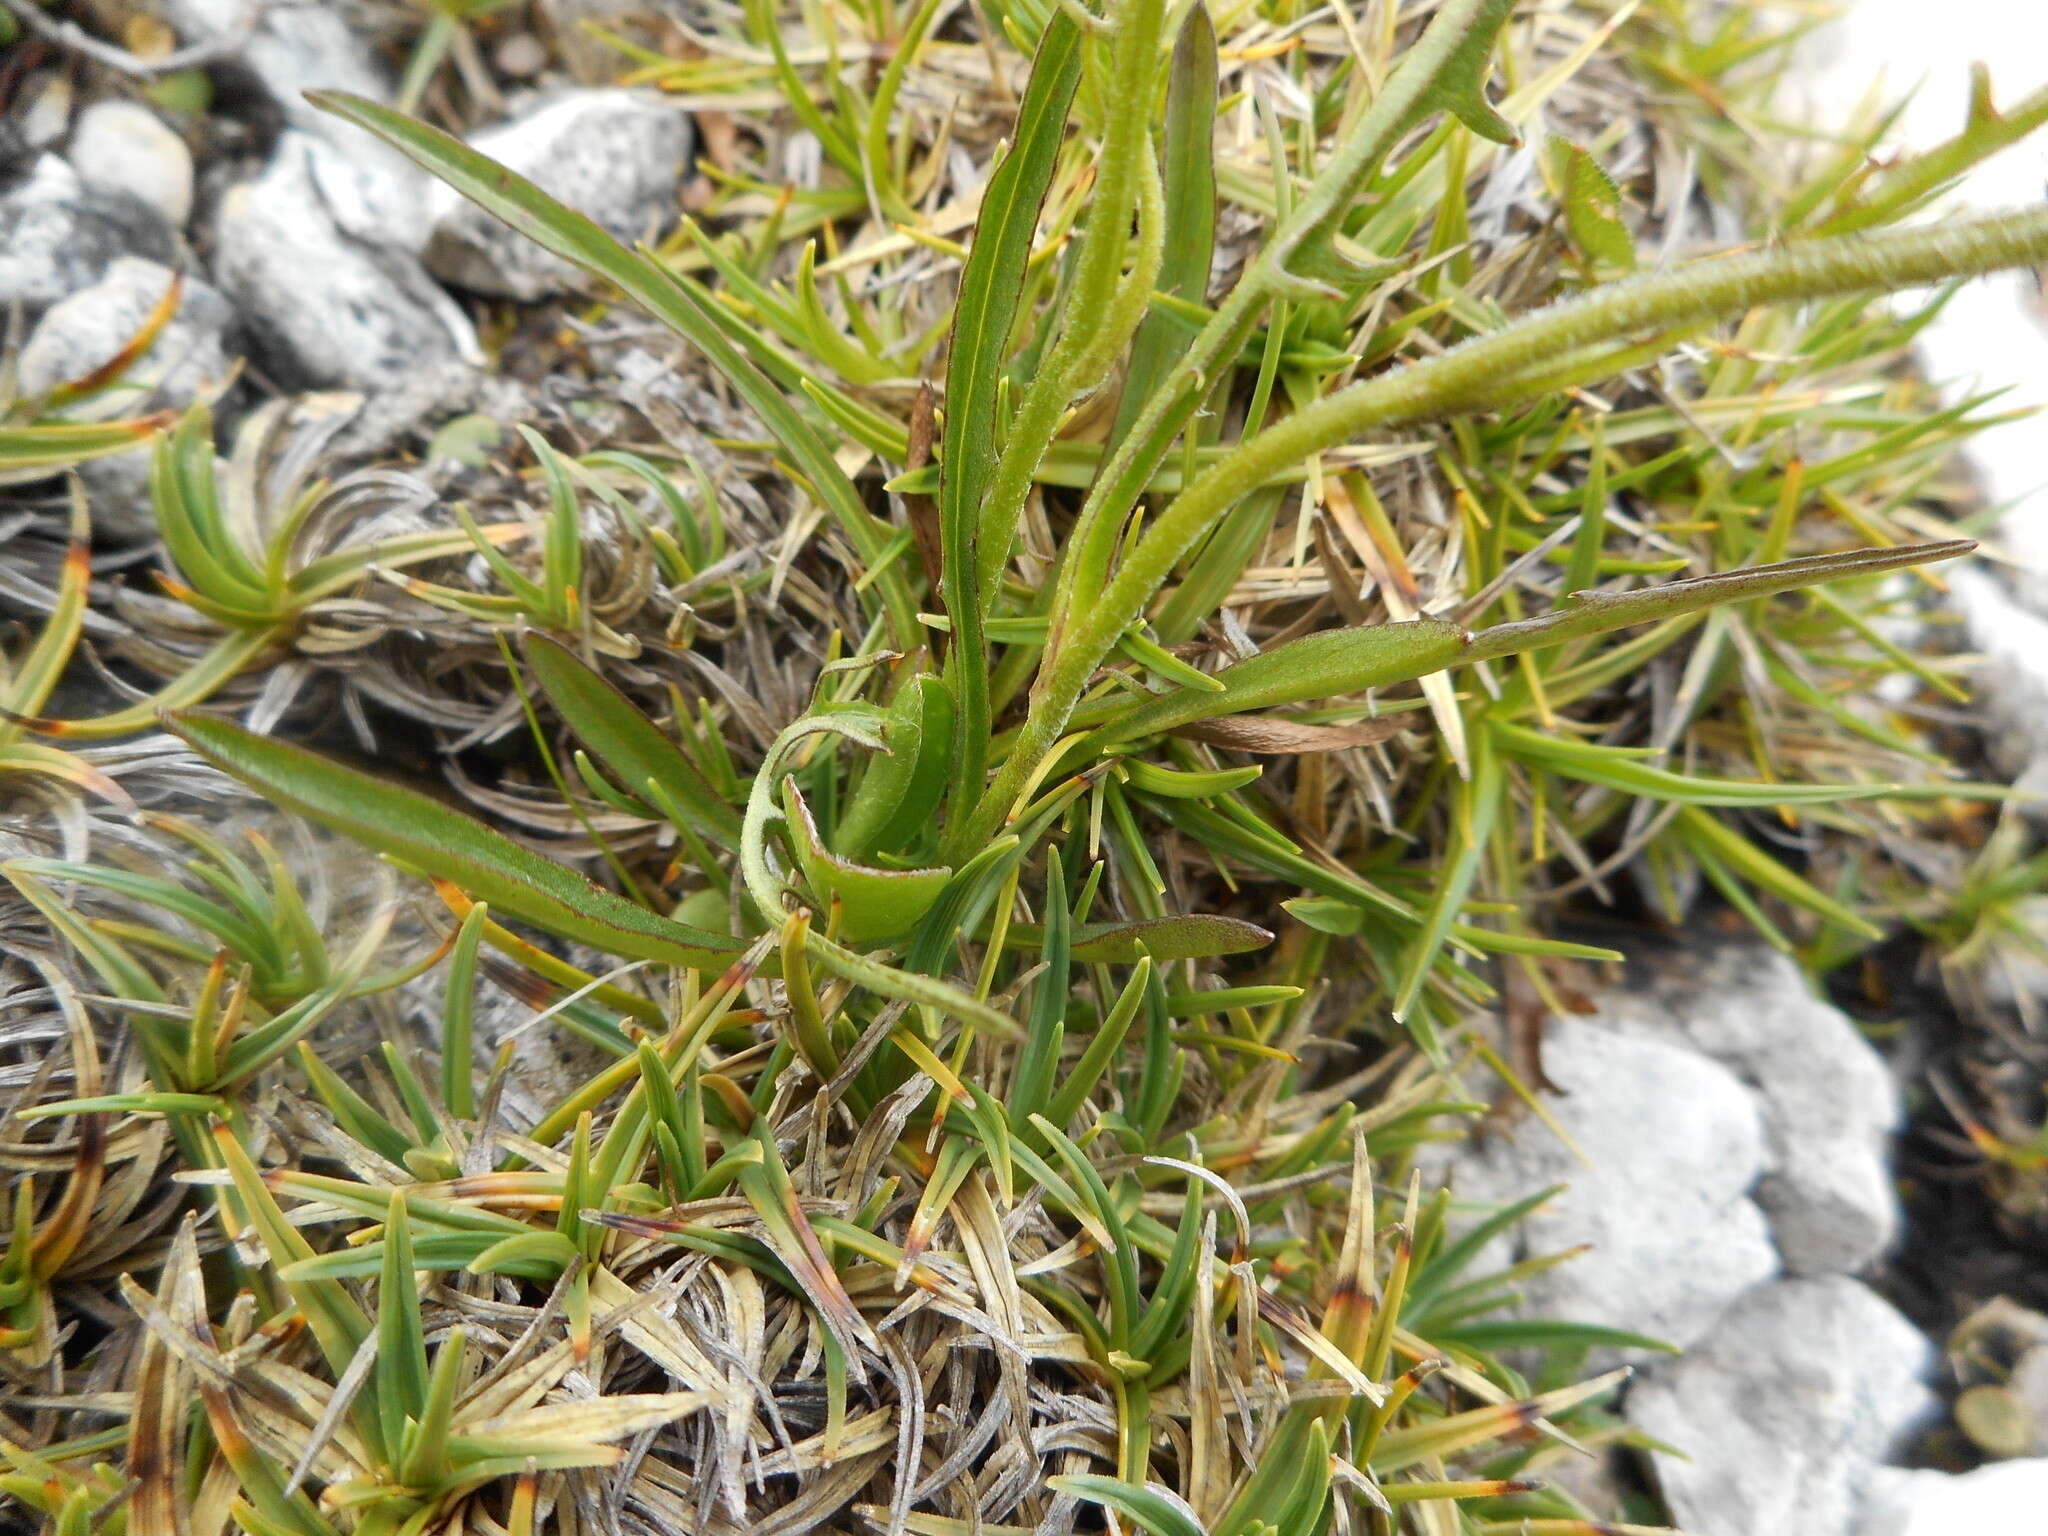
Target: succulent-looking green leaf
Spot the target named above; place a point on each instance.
(432, 839)
(901, 792)
(1157, 1509)
(874, 903)
(764, 883)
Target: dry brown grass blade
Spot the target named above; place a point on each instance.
(156, 1426)
(1275, 735)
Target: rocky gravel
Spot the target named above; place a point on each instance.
(59, 235)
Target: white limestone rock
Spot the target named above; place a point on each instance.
(1785, 1411)
(2010, 681)
(122, 146)
(1675, 1144)
(1829, 1105)
(58, 235)
(614, 155)
(325, 309)
(2007, 1496)
(296, 46)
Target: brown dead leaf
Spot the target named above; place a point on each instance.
(1276, 735)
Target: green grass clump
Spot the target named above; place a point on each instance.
(1222, 626)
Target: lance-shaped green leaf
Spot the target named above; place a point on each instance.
(991, 287)
(632, 746)
(1909, 182)
(27, 688)
(1475, 803)
(1398, 1449)
(401, 1371)
(337, 1323)
(1340, 661)
(1189, 936)
(1038, 1062)
(433, 839)
(1188, 171)
(458, 1011)
(1080, 1081)
(52, 445)
(1623, 768)
(1279, 1468)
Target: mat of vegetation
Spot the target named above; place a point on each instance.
(858, 927)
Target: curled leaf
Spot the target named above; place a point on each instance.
(874, 903)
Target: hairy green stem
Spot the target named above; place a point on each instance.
(1441, 70)
(1464, 380)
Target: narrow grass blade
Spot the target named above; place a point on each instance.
(991, 288)
(1341, 661)
(628, 743)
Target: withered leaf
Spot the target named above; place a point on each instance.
(1276, 735)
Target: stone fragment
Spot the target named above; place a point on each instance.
(323, 308)
(1673, 1145)
(122, 146)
